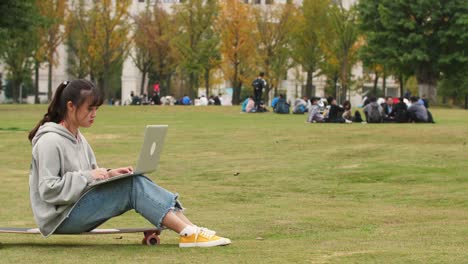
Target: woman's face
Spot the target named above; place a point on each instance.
(85, 114)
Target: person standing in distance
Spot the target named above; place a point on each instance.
(258, 85)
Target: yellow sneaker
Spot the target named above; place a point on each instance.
(203, 238)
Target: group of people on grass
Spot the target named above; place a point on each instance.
(392, 110)
(156, 99)
(318, 110)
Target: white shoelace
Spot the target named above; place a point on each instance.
(204, 232)
(208, 231)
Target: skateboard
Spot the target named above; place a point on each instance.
(151, 235)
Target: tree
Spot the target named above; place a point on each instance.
(306, 39)
(50, 34)
(16, 16)
(341, 43)
(210, 56)
(235, 27)
(153, 54)
(18, 23)
(196, 49)
(455, 86)
(18, 57)
(274, 31)
(427, 37)
(77, 59)
(105, 38)
(143, 40)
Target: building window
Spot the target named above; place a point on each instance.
(269, 2)
(257, 2)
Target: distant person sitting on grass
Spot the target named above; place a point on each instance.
(203, 100)
(186, 100)
(423, 100)
(217, 100)
(347, 114)
(244, 104)
(314, 113)
(388, 110)
(335, 114)
(374, 112)
(275, 101)
(63, 167)
(418, 113)
(261, 108)
(155, 100)
(300, 106)
(281, 106)
(250, 108)
(401, 111)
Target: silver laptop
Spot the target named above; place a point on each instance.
(149, 155)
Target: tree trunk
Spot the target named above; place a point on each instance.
(466, 101)
(266, 94)
(384, 84)
(207, 82)
(104, 81)
(429, 91)
(166, 89)
(376, 81)
(192, 80)
(402, 88)
(310, 91)
(49, 82)
(36, 83)
(236, 86)
(427, 86)
(335, 82)
(237, 90)
(142, 84)
(15, 90)
(149, 90)
(344, 80)
(101, 84)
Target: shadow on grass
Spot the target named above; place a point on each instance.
(96, 246)
(12, 129)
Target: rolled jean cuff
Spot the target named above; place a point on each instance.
(176, 207)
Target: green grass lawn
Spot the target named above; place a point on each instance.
(305, 193)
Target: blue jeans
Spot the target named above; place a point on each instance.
(115, 198)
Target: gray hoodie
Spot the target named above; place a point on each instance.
(60, 174)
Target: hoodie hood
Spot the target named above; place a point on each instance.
(51, 127)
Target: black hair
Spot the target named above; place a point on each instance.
(330, 99)
(347, 103)
(413, 99)
(313, 99)
(372, 99)
(261, 74)
(77, 92)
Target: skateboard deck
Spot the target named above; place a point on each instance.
(151, 235)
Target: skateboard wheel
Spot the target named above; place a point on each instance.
(151, 240)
